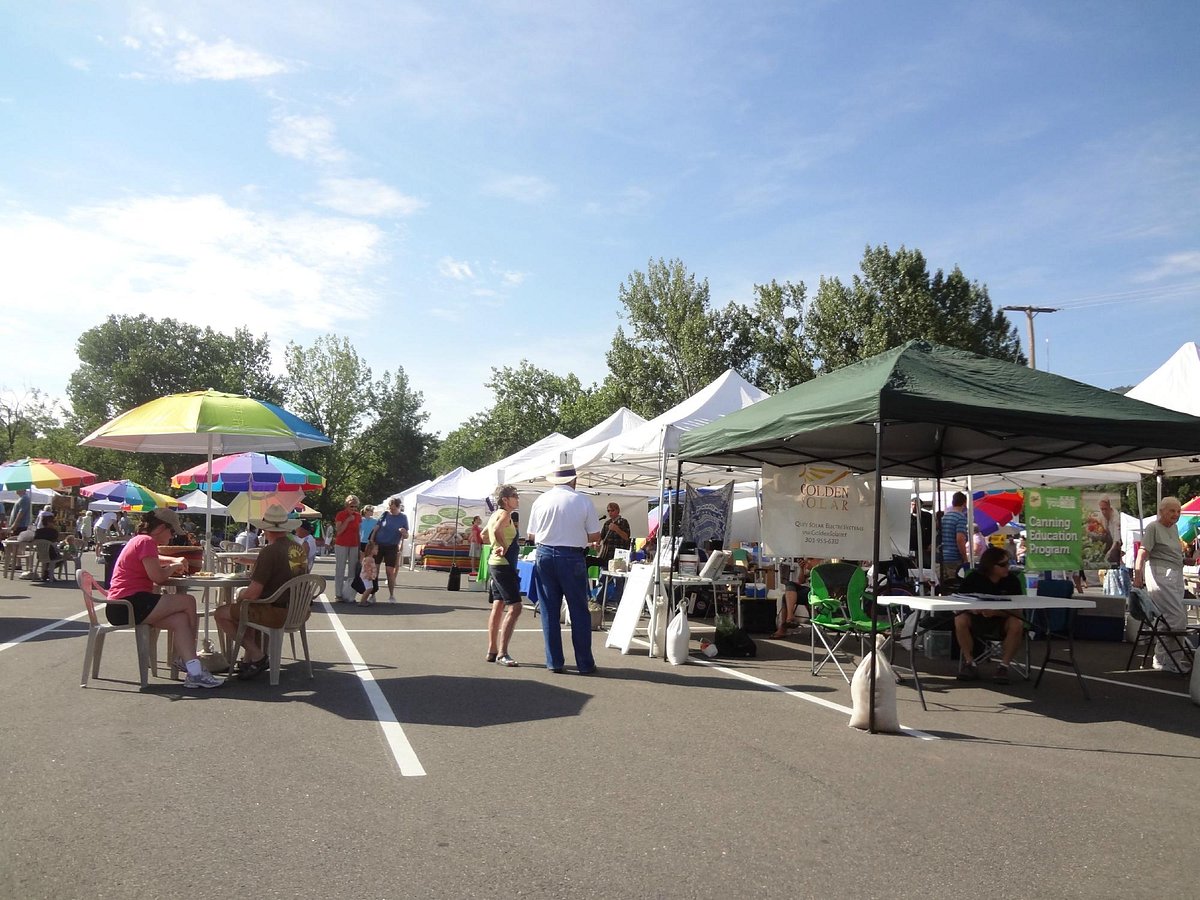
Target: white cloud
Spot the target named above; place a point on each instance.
(512, 279)
(306, 138)
(453, 268)
(366, 197)
(224, 61)
(523, 188)
(1174, 265)
(183, 55)
(194, 258)
(79, 63)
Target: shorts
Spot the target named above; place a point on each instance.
(143, 604)
(388, 554)
(989, 628)
(260, 614)
(504, 584)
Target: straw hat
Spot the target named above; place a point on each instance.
(564, 471)
(276, 518)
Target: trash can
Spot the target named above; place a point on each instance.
(109, 552)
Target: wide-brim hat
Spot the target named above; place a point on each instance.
(564, 472)
(168, 517)
(276, 518)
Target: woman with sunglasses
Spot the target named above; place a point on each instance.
(991, 575)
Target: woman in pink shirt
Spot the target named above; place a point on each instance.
(139, 570)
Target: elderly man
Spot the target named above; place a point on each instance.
(561, 523)
(282, 559)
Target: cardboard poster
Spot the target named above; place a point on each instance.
(819, 511)
(1053, 529)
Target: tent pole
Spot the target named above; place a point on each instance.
(876, 562)
(920, 536)
(971, 520)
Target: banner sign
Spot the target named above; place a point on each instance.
(818, 511)
(1053, 529)
(1101, 530)
(706, 517)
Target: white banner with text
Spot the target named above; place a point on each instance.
(817, 510)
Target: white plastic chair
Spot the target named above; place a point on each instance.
(145, 636)
(301, 590)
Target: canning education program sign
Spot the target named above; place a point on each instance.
(1053, 529)
(817, 510)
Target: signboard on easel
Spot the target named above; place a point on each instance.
(638, 586)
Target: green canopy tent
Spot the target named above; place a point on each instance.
(926, 411)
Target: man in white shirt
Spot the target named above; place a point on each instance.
(563, 522)
(247, 538)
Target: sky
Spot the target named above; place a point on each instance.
(457, 186)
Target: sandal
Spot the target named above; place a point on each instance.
(491, 657)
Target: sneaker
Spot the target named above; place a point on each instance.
(1001, 675)
(203, 680)
(506, 660)
(391, 598)
(968, 673)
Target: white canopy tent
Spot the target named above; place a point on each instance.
(636, 457)
(198, 501)
(1173, 385)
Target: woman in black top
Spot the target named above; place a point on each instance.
(990, 576)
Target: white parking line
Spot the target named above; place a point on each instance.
(402, 750)
(32, 634)
(791, 692)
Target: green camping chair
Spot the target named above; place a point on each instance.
(835, 594)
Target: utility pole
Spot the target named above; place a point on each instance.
(1030, 312)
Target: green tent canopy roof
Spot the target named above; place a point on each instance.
(944, 412)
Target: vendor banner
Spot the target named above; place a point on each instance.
(818, 511)
(1053, 529)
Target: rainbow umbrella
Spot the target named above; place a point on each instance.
(22, 474)
(242, 472)
(131, 495)
(206, 422)
(996, 509)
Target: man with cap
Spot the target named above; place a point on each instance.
(561, 522)
(282, 559)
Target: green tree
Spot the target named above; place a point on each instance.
(529, 403)
(128, 360)
(781, 356)
(675, 343)
(378, 445)
(894, 300)
(25, 418)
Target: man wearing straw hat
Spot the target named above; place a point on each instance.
(282, 559)
(561, 523)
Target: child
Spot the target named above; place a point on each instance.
(370, 575)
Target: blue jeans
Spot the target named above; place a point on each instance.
(562, 572)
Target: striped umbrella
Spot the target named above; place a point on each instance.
(206, 422)
(131, 495)
(22, 474)
(242, 472)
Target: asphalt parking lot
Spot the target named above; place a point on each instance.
(409, 767)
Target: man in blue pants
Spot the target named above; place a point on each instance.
(560, 523)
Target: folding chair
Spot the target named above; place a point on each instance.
(836, 593)
(1152, 629)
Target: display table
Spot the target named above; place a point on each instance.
(1025, 603)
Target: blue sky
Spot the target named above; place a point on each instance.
(456, 186)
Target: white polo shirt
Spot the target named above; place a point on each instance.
(562, 517)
